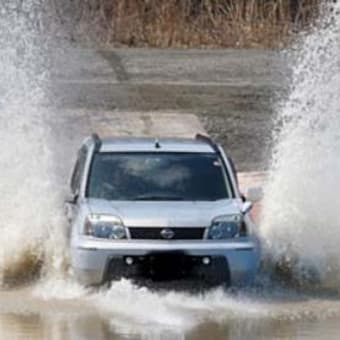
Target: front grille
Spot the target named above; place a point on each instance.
(183, 233)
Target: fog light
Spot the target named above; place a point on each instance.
(129, 261)
(206, 260)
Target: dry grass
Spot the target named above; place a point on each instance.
(195, 23)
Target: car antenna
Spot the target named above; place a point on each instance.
(157, 144)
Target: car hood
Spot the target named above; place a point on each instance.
(165, 214)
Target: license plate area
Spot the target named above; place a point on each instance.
(169, 265)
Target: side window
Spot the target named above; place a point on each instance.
(78, 170)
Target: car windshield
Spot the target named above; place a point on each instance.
(157, 176)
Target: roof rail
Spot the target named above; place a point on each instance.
(97, 141)
(208, 140)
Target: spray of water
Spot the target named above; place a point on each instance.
(301, 220)
(28, 198)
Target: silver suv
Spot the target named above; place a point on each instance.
(159, 208)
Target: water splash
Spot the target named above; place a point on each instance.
(301, 222)
(295, 209)
(139, 310)
(28, 198)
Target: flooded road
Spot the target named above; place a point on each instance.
(54, 94)
(126, 311)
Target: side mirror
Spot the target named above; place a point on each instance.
(246, 207)
(69, 206)
(255, 194)
(71, 198)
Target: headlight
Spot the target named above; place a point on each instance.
(105, 226)
(224, 227)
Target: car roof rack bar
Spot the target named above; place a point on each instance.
(97, 141)
(208, 140)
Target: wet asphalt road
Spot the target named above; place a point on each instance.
(232, 92)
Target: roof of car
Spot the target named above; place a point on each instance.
(143, 144)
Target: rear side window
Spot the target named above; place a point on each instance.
(158, 176)
(78, 170)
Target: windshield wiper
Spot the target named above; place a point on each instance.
(152, 197)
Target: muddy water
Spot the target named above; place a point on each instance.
(125, 311)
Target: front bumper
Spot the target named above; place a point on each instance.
(95, 261)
